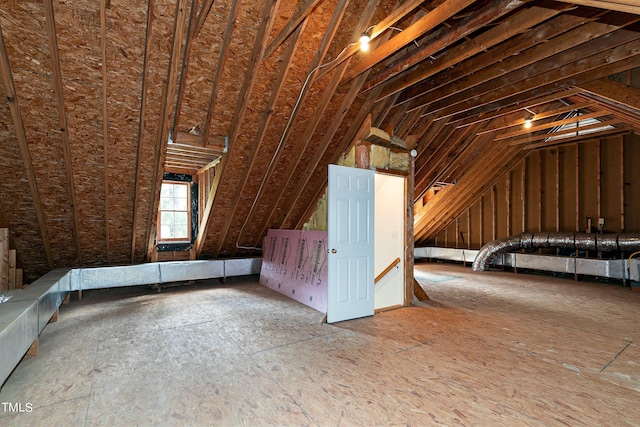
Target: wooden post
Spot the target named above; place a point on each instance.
(12, 268)
(469, 228)
(494, 213)
(33, 350)
(621, 161)
(599, 189)
(481, 221)
(4, 259)
(508, 202)
(523, 193)
(19, 283)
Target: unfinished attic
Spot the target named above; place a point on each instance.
(147, 143)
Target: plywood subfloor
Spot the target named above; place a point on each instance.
(488, 349)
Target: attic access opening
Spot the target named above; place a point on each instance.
(177, 221)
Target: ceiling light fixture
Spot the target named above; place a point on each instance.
(364, 40)
(528, 122)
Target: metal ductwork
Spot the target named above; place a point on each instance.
(576, 241)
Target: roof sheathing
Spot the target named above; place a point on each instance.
(250, 106)
(125, 53)
(78, 30)
(29, 56)
(300, 64)
(15, 199)
(155, 75)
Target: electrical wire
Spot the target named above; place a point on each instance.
(279, 146)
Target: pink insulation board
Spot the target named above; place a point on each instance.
(294, 263)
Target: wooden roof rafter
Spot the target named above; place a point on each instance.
(533, 27)
(402, 10)
(62, 120)
(606, 62)
(431, 20)
(266, 23)
(105, 124)
(224, 53)
(291, 26)
(543, 136)
(618, 128)
(311, 127)
(544, 112)
(169, 93)
(16, 115)
(192, 28)
(444, 36)
(341, 64)
(619, 5)
(519, 105)
(259, 138)
(533, 66)
(143, 113)
(547, 125)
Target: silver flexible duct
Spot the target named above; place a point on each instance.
(576, 241)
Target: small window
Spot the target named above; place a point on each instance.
(174, 216)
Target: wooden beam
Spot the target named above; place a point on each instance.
(257, 144)
(163, 129)
(12, 269)
(312, 124)
(577, 187)
(432, 19)
(616, 60)
(21, 136)
(409, 237)
(291, 26)
(507, 195)
(347, 100)
(4, 259)
(550, 125)
(224, 53)
(532, 26)
(620, 129)
(558, 59)
(621, 184)
(419, 292)
(440, 39)
(202, 17)
(265, 25)
(504, 110)
(139, 157)
(403, 9)
(508, 122)
(105, 123)
(573, 131)
(619, 5)
(186, 56)
(62, 120)
(523, 194)
(557, 192)
(613, 91)
(209, 165)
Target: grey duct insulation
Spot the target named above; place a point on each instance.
(577, 241)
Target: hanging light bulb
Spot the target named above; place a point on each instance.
(527, 123)
(364, 40)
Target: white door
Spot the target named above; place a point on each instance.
(350, 243)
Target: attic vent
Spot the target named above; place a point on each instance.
(582, 127)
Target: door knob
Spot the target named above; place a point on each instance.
(333, 251)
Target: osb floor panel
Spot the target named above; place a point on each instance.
(488, 349)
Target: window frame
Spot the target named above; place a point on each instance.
(159, 239)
